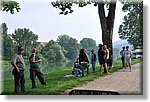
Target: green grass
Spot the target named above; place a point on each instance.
(57, 83)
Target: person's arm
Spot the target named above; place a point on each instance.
(13, 62)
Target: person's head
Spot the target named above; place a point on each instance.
(92, 51)
(123, 48)
(20, 50)
(105, 46)
(100, 46)
(34, 50)
(127, 47)
(82, 51)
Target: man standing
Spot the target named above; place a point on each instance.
(93, 61)
(18, 71)
(127, 60)
(122, 53)
(35, 69)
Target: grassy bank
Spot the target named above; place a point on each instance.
(57, 83)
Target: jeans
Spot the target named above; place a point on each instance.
(19, 81)
(77, 71)
(93, 67)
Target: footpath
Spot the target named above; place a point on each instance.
(123, 82)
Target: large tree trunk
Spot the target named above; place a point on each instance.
(107, 23)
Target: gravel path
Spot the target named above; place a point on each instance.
(126, 83)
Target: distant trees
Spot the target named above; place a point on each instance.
(70, 45)
(88, 44)
(132, 27)
(53, 52)
(26, 38)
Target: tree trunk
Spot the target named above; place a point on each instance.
(107, 23)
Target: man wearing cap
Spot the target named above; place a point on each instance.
(18, 71)
(35, 69)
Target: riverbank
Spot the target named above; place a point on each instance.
(57, 83)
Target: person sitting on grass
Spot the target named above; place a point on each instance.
(77, 67)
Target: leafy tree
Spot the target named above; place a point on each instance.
(8, 45)
(107, 22)
(26, 38)
(88, 44)
(132, 27)
(9, 6)
(70, 45)
(53, 52)
(4, 28)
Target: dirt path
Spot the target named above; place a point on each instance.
(123, 82)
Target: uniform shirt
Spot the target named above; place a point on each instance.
(34, 64)
(19, 61)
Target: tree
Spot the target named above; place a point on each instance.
(9, 6)
(107, 22)
(4, 28)
(132, 27)
(53, 52)
(8, 45)
(88, 44)
(26, 38)
(70, 45)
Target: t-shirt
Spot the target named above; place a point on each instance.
(106, 54)
(34, 64)
(127, 53)
(19, 61)
(101, 54)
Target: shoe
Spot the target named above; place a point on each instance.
(130, 70)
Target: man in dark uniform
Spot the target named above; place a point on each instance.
(34, 68)
(18, 71)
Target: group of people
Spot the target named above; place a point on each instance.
(19, 67)
(82, 62)
(126, 55)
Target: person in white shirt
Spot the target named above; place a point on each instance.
(127, 59)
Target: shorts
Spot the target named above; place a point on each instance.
(102, 61)
(127, 60)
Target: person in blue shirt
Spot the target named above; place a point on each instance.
(93, 61)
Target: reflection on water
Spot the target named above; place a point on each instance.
(45, 67)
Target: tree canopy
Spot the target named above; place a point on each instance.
(132, 27)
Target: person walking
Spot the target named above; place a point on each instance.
(127, 60)
(101, 58)
(122, 53)
(83, 61)
(34, 60)
(93, 61)
(18, 71)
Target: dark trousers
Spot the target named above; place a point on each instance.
(38, 73)
(122, 59)
(83, 67)
(19, 81)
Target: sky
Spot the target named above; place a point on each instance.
(44, 20)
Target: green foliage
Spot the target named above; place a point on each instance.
(132, 27)
(53, 52)
(26, 38)
(70, 45)
(10, 6)
(4, 28)
(8, 47)
(66, 5)
(88, 44)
